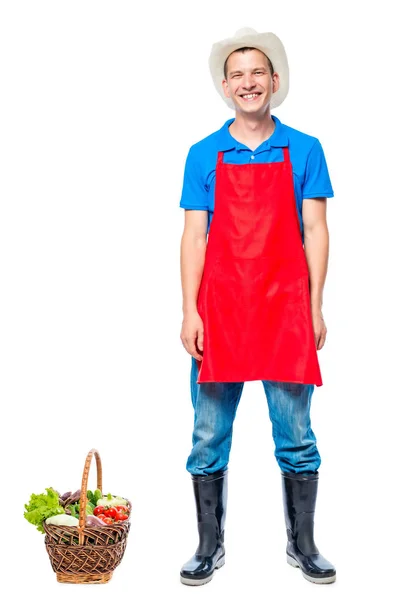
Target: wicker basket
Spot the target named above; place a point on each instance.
(86, 554)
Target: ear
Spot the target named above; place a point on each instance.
(275, 82)
(225, 88)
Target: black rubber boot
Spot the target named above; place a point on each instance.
(299, 499)
(210, 492)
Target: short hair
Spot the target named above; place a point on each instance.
(246, 49)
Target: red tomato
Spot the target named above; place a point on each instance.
(111, 512)
(108, 520)
(99, 510)
(121, 516)
(123, 507)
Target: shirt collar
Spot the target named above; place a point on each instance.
(278, 139)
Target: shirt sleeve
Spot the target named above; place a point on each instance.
(194, 193)
(317, 183)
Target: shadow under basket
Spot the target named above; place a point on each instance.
(86, 554)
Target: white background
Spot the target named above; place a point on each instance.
(100, 102)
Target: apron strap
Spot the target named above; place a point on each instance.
(286, 156)
(220, 159)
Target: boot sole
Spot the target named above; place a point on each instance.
(188, 581)
(291, 561)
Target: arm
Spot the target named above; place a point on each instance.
(193, 248)
(316, 247)
(316, 189)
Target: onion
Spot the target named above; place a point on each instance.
(92, 521)
(65, 496)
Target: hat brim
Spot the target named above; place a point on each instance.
(269, 44)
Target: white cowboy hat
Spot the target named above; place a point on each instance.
(268, 43)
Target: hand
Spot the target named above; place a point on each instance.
(319, 327)
(192, 334)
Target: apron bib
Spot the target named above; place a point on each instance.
(254, 296)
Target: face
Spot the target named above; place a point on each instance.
(249, 82)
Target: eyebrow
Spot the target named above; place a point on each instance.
(255, 69)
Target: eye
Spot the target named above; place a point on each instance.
(259, 72)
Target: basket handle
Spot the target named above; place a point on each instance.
(83, 497)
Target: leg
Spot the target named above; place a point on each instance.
(215, 407)
(298, 457)
(289, 411)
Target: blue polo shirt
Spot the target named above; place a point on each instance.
(310, 171)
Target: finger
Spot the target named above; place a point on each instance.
(200, 340)
(193, 350)
(322, 340)
(186, 345)
(317, 339)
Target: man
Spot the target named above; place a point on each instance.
(252, 293)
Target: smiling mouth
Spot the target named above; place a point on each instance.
(250, 97)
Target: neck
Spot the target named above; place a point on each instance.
(252, 130)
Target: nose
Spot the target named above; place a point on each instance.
(248, 81)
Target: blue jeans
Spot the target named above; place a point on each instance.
(215, 407)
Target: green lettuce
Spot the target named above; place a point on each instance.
(41, 506)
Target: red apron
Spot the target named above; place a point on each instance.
(254, 297)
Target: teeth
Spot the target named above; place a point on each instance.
(249, 96)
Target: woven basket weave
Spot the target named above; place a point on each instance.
(86, 554)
